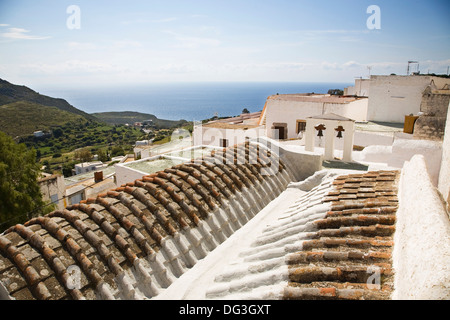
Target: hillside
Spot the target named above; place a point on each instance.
(22, 118)
(10, 93)
(131, 117)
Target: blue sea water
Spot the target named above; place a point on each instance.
(189, 101)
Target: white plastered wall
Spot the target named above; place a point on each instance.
(421, 257)
(285, 111)
(444, 175)
(210, 136)
(393, 97)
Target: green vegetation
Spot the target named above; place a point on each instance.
(60, 151)
(22, 118)
(70, 135)
(20, 196)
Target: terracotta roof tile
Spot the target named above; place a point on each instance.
(336, 248)
(366, 225)
(134, 241)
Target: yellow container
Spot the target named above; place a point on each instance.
(408, 127)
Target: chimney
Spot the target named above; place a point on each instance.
(98, 176)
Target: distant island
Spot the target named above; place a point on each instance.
(132, 117)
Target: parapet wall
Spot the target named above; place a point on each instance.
(422, 238)
(444, 174)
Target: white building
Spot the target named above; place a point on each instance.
(285, 115)
(360, 89)
(142, 149)
(85, 167)
(89, 188)
(230, 131)
(393, 97)
(38, 134)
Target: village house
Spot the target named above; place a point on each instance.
(85, 167)
(392, 97)
(284, 115)
(38, 134)
(360, 89)
(89, 187)
(142, 149)
(229, 131)
(53, 189)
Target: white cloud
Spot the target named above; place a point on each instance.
(333, 32)
(432, 66)
(20, 33)
(195, 16)
(74, 45)
(190, 42)
(331, 65)
(352, 64)
(145, 21)
(4, 25)
(126, 44)
(72, 66)
(165, 20)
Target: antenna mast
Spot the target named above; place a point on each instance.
(369, 68)
(409, 63)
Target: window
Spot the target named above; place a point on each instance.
(223, 143)
(301, 126)
(76, 198)
(54, 198)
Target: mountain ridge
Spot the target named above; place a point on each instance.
(10, 93)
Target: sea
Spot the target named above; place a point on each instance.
(189, 101)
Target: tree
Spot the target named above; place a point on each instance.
(84, 155)
(102, 156)
(336, 92)
(20, 195)
(245, 110)
(58, 132)
(117, 151)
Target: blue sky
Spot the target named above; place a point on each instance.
(138, 42)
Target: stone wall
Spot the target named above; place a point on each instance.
(429, 128)
(434, 106)
(435, 102)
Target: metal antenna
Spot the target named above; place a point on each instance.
(409, 63)
(369, 68)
